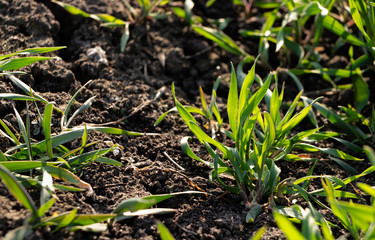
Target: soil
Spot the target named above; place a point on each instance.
(159, 52)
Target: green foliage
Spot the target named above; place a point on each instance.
(259, 140)
(220, 38)
(49, 160)
(110, 21)
(363, 13)
(105, 19)
(289, 35)
(357, 218)
(310, 221)
(72, 220)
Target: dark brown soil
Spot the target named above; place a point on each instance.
(159, 52)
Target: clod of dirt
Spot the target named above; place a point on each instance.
(52, 76)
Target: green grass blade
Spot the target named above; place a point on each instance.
(24, 132)
(67, 109)
(253, 213)
(106, 18)
(361, 92)
(246, 85)
(72, 10)
(67, 176)
(17, 190)
(337, 28)
(82, 108)
(275, 106)
(93, 228)
(370, 153)
(259, 233)
(186, 148)
(203, 100)
(339, 194)
(174, 109)
(125, 38)
(16, 63)
(144, 212)
(3, 158)
(47, 119)
(295, 120)
(360, 214)
(280, 39)
(23, 166)
(66, 220)
(232, 103)
(26, 88)
(255, 99)
(367, 189)
(32, 51)
(330, 72)
(185, 115)
(345, 166)
(67, 188)
(79, 220)
(336, 120)
(87, 157)
(330, 151)
(290, 231)
(44, 208)
(108, 161)
(203, 137)
(364, 173)
(9, 132)
(47, 187)
(223, 40)
(348, 144)
(164, 233)
(18, 97)
(75, 133)
(84, 140)
(116, 131)
(135, 204)
(19, 233)
(337, 211)
(304, 134)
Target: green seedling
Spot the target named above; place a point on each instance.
(147, 10)
(214, 34)
(187, 13)
(347, 121)
(49, 157)
(289, 35)
(112, 22)
(72, 220)
(363, 13)
(357, 218)
(223, 40)
(259, 140)
(310, 228)
(105, 19)
(209, 112)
